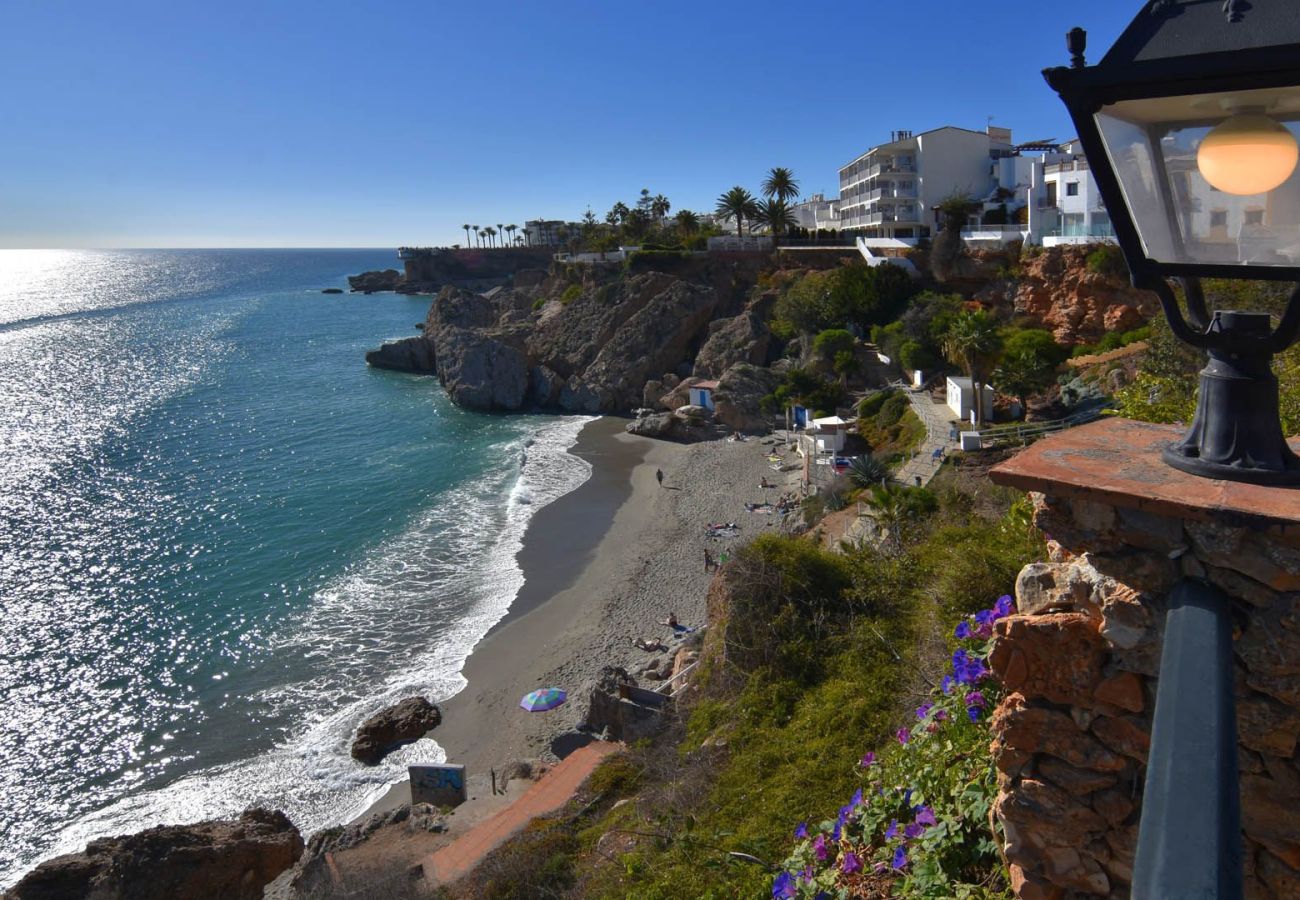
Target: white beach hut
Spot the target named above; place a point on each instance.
(701, 394)
(961, 398)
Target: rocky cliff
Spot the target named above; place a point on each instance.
(585, 342)
(429, 271)
(1057, 289)
(205, 861)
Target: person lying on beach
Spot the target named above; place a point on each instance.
(653, 645)
(763, 482)
(671, 621)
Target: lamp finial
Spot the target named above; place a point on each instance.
(1076, 41)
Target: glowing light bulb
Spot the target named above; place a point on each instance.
(1248, 154)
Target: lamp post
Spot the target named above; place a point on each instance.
(1189, 123)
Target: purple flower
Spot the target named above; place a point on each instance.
(973, 713)
(975, 699)
(868, 759)
(892, 831)
(986, 617)
(856, 799)
(819, 847)
(925, 816)
(947, 683)
(907, 797)
(784, 886)
(802, 831)
(941, 716)
(963, 630)
(900, 857)
(850, 863)
(924, 710)
(807, 874)
(967, 668)
(913, 831)
(903, 736)
(985, 631)
(1005, 606)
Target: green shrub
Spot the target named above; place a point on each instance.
(539, 303)
(571, 293)
(1107, 260)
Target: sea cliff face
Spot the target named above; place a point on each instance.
(583, 342)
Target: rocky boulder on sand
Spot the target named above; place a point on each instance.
(219, 860)
(737, 403)
(388, 729)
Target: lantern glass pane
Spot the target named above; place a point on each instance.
(1231, 200)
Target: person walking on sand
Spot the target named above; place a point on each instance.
(659, 474)
(708, 559)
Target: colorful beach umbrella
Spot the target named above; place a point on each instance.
(543, 699)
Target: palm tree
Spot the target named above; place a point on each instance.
(501, 229)
(618, 213)
(490, 233)
(476, 235)
(687, 221)
(511, 229)
(776, 215)
(659, 206)
(737, 204)
(466, 227)
(972, 342)
(780, 184)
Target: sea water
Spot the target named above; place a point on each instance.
(224, 540)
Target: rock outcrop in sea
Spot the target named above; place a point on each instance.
(390, 728)
(217, 860)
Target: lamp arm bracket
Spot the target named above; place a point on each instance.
(1181, 329)
(1288, 329)
(1196, 309)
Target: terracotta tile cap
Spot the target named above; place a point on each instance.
(1117, 462)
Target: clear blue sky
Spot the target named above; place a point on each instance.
(311, 124)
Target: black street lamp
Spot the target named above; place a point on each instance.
(1189, 124)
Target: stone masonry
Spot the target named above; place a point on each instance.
(1080, 658)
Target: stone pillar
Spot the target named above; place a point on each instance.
(1080, 658)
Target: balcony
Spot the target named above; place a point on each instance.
(890, 193)
(897, 167)
(903, 214)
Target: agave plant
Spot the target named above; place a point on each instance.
(866, 470)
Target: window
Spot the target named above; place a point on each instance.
(1219, 218)
(1254, 217)
(1072, 189)
(1051, 193)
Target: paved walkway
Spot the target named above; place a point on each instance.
(937, 419)
(554, 789)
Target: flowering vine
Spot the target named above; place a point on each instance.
(919, 823)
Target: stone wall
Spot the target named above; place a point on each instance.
(1080, 662)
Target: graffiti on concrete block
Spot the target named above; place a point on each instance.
(439, 785)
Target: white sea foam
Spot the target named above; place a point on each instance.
(401, 623)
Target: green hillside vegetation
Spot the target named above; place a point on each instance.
(890, 427)
(812, 659)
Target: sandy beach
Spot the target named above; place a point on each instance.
(603, 565)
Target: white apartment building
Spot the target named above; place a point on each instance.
(817, 213)
(545, 232)
(891, 190)
(1065, 206)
